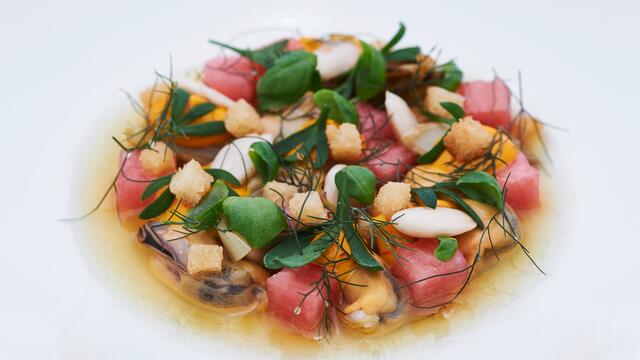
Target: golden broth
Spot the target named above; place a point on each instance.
(117, 259)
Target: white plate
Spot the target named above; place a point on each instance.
(64, 62)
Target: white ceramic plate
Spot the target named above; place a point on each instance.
(64, 62)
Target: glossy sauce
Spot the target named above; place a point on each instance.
(116, 258)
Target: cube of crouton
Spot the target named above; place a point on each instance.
(308, 207)
(344, 142)
(392, 197)
(190, 183)
(436, 95)
(467, 139)
(242, 119)
(204, 259)
(279, 193)
(158, 160)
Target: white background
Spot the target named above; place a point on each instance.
(63, 63)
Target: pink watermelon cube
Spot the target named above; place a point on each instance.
(234, 76)
(131, 184)
(523, 185)
(373, 123)
(285, 292)
(488, 102)
(388, 160)
(418, 263)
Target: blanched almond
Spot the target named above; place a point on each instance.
(402, 119)
(424, 222)
(234, 157)
(336, 58)
(330, 188)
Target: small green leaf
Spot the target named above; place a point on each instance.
(288, 254)
(451, 77)
(454, 109)
(179, 102)
(223, 175)
(403, 55)
(436, 118)
(359, 251)
(346, 88)
(427, 196)
(289, 143)
(158, 206)
(264, 56)
(257, 219)
(340, 109)
(446, 248)
(395, 39)
(357, 182)
(459, 201)
(370, 72)
(155, 185)
(197, 112)
(208, 211)
(433, 154)
(321, 143)
(481, 186)
(265, 160)
(204, 129)
(287, 80)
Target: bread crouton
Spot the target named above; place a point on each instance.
(467, 139)
(436, 95)
(204, 259)
(279, 193)
(242, 119)
(190, 183)
(392, 197)
(344, 142)
(308, 206)
(158, 160)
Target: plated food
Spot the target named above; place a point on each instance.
(336, 184)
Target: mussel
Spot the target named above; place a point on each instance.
(237, 289)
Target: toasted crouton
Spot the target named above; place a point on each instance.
(158, 160)
(204, 259)
(392, 197)
(467, 139)
(190, 183)
(278, 192)
(242, 119)
(436, 95)
(308, 206)
(344, 141)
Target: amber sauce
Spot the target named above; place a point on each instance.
(116, 259)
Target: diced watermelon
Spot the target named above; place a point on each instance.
(373, 123)
(418, 262)
(234, 76)
(522, 187)
(388, 160)
(285, 291)
(130, 185)
(488, 102)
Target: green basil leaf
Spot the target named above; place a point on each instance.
(427, 196)
(204, 129)
(454, 109)
(197, 112)
(340, 109)
(371, 73)
(321, 143)
(451, 78)
(357, 182)
(158, 206)
(179, 102)
(289, 143)
(359, 251)
(481, 186)
(287, 80)
(156, 185)
(403, 55)
(346, 88)
(257, 219)
(288, 254)
(208, 211)
(265, 159)
(433, 154)
(446, 248)
(395, 39)
(436, 118)
(264, 56)
(462, 204)
(223, 175)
